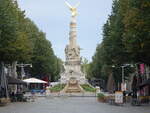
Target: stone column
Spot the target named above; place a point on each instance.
(73, 33)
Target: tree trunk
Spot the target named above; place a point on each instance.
(14, 74)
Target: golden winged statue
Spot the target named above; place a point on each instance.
(73, 9)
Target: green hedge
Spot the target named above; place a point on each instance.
(57, 87)
(88, 88)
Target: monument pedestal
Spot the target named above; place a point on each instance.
(73, 86)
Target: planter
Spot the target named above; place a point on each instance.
(101, 99)
(4, 101)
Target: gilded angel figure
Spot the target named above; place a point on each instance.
(73, 9)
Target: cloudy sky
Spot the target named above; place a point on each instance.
(53, 18)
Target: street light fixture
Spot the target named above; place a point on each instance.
(123, 81)
(122, 68)
(22, 68)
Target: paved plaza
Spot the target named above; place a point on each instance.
(70, 105)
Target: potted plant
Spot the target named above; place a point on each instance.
(101, 97)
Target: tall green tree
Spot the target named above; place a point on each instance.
(112, 50)
(14, 43)
(137, 29)
(21, 41)
(44, 61)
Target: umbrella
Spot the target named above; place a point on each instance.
(34, 80)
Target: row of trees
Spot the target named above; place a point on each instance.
(126, 39)
(21, 41)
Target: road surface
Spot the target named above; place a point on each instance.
(70, 105)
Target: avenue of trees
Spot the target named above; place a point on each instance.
(22, 42)
(126, 39)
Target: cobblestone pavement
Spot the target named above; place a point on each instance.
(70, 105)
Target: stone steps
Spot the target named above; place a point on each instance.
(73, 90)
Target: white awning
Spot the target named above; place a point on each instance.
(34, 80)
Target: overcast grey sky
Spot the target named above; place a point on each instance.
(53, 18)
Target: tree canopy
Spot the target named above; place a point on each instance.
(126, 39)
(22, 41)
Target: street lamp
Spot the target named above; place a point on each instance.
(123, 81)
(122, 67)
(22, 68)
(122, 75)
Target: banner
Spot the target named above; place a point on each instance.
(123, 86)
(142, 68)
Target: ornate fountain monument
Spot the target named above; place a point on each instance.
(72, 76)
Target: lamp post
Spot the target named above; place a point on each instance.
(122, 74)
(123, 81)
(123, 85)
(122, 68)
